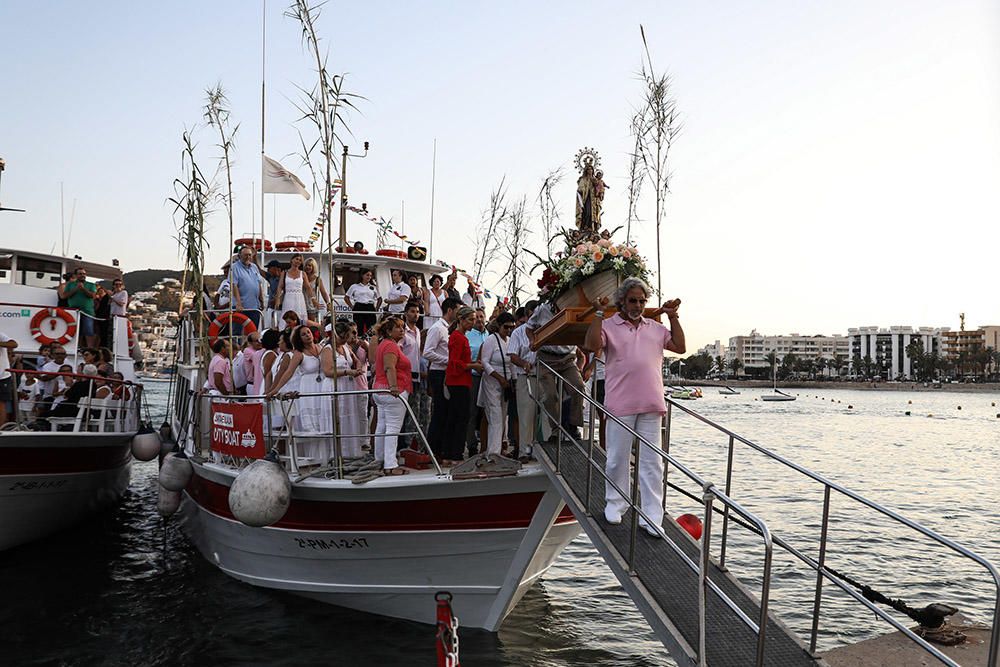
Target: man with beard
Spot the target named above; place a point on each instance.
(633, 348)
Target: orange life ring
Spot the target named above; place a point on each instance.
(256, 243)
(385, 252)
(286, 245)
(221, 320)
(53, 313)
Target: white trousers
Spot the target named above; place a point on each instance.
(526, 411)
(391, 412)
(496, 417)
(619, 448)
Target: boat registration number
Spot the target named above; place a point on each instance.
(356, 543)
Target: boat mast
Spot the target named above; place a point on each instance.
(263, 71)
(430, 245)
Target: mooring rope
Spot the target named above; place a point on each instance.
(931, 616)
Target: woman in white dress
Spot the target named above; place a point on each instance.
(496, 378)
(339, 371)
(433, 298)
(294, 290)
(303, 374)
(317, 305)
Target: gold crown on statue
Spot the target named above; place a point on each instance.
(586, 157)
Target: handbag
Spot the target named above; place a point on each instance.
(508, 391)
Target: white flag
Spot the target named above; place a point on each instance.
(278, 180)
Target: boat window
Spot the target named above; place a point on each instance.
(6, 274)
(38, 272)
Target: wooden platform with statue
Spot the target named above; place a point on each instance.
(591, 266)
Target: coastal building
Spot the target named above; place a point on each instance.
(955, 343)
(887, 347)
(752, 350)
(991, 336)
(156, 328)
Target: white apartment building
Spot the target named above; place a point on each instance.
(752, 349)
(889, 346)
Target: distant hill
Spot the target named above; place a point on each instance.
(144, 279)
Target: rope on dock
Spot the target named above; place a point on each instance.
(932, 617)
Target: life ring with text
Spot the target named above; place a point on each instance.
(52, 315)
(215, 328)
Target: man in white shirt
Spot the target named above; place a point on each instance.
(473, 297)
(436, 354)
(119, 298)
(522, 359)
(7, 347)
(398, 294)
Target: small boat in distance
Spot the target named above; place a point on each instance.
(728, 391)
(778, 395)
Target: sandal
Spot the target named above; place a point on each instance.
(395, 472)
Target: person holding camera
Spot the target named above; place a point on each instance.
(80, 295)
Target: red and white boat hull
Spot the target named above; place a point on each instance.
(388, 547)
(50, 481)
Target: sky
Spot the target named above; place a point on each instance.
(838, 163)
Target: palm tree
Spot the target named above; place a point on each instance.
(720, 365)
(838, 362)
(915, 351)
(820, 364)
(735, 365)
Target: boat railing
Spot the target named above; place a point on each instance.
(117, 413)
(710, 495)
(285, 403)
(823, 572)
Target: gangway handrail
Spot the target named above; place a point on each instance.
(710, 494)
(295, 395)
(819, 565)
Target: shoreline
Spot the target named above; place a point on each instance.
(977, 388)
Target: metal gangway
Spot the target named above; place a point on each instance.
(700, 611)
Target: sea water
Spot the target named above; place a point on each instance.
(125, 589)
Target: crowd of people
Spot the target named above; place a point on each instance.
(45, 386)
(96, 305)
(471, 379)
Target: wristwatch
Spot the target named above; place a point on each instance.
(599, 313)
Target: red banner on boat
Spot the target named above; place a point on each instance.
(238, 429)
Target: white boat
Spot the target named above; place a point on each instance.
(778, 395)
(728, 391)
(52, 479)
(385, 546)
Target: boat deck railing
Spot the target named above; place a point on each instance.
(732, 508)
(285, 403)
(819, 564)
(113, 414)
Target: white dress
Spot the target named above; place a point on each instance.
(309, 417)
(349, 420)
(434, 312)
(294, 298)
(493, 354)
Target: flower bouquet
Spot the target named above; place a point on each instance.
(590, 267)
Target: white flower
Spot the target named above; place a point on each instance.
(588, 268)
(618, 263)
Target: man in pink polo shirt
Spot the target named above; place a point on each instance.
(633, 392)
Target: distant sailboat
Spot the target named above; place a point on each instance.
(778, 395)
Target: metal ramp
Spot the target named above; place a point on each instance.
(701, 612)
(663, 585)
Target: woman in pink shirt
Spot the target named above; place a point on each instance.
(220, 375)
(392, 372)
(633, 348)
